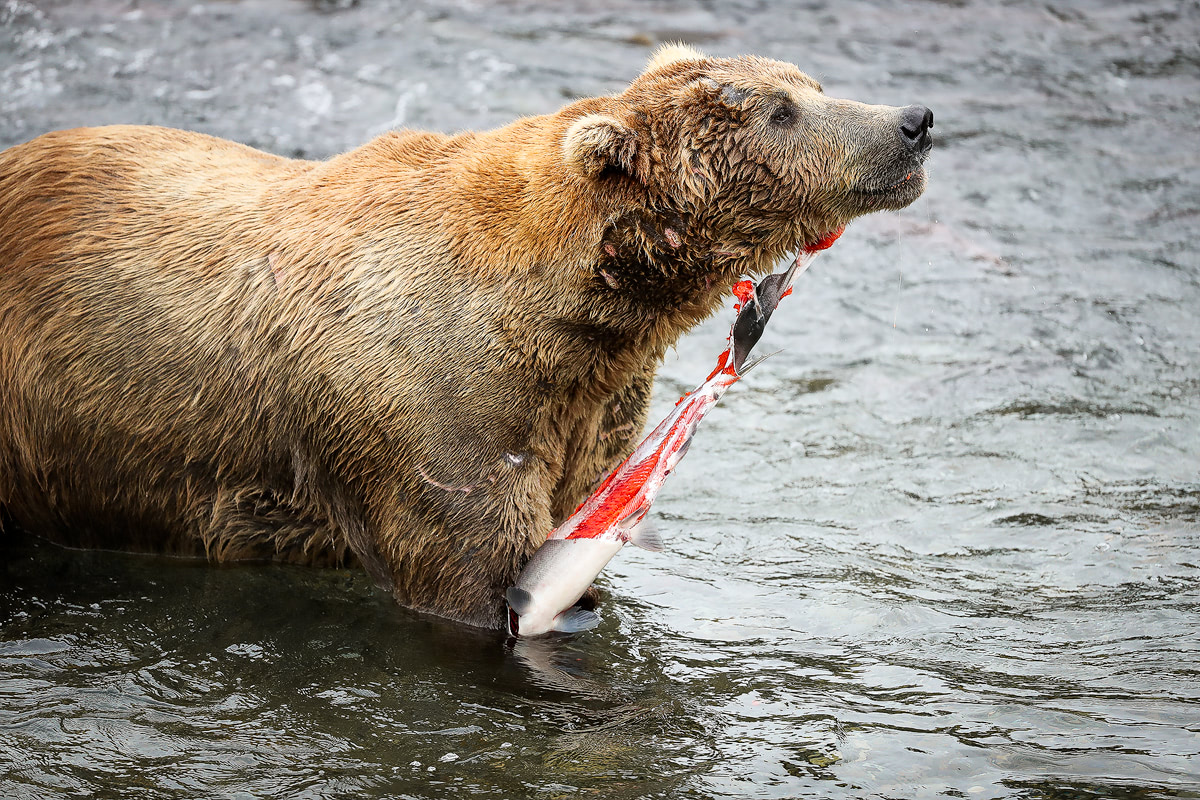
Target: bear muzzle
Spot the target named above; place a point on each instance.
(898, 178)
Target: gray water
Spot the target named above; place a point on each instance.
(947, 543)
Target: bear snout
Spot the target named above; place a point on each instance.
(915, 122)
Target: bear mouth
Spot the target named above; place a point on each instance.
(894, 191)
(915, 173)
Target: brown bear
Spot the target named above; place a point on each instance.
(418, 356)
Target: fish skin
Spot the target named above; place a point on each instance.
(574, 553)
(543, 598)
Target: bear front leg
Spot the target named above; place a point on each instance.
(600, 442)
(454, 543)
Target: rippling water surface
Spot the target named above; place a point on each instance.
(947, 543)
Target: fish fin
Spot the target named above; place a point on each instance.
(519, 600)
(645, 537)
(752, 364)
(574, 620)
(631, 521)
(677, 456)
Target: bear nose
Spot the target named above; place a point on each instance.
(915, 122)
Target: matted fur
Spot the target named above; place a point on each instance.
(419, 355)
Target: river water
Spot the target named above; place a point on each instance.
(945, 544)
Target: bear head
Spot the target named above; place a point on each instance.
(718, 167)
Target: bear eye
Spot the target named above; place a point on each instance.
(783, 115)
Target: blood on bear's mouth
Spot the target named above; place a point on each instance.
(894, 191)
(914, 174)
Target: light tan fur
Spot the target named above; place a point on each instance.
(671, 52)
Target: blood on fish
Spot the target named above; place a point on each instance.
(631, 483)
(826, 241)
(743, 291)
(609, 516)
(613, 508)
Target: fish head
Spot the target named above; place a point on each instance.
(755, 313)
(757, 309)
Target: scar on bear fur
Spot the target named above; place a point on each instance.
(417, 356)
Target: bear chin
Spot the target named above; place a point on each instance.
(892, 193)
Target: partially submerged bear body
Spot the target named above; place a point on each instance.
(419, 355)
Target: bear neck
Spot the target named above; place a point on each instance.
(617, 269)
(612, 264)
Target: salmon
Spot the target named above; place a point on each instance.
(544, 596)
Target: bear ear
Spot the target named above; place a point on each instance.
(671, 52)
(598, 142)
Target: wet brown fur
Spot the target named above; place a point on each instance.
(419, 355)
